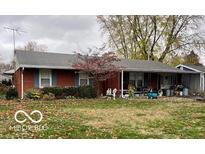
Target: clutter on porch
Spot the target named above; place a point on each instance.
(168, 91)
(152, 95)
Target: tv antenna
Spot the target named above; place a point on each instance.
(14, 31)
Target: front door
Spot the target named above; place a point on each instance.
(153, 80)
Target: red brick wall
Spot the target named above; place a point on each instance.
(17, 81)
(28, 78)
(112, 83)
(65, 78)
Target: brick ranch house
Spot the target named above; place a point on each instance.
(44, 69)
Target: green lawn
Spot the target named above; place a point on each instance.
(100, 118)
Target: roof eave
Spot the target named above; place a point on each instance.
(9, 72)
(188, 67)
(159, 71)
(47, 67)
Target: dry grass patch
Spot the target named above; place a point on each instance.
(175, 99)
(109, 118)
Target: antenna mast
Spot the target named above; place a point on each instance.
(14, 31)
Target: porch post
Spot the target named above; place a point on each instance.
(202, 81)
(122, 76)
(22, 89)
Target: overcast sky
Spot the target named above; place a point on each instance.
(59, 33)
(66, 34)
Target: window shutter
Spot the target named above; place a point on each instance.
(36, 78)
(54, 78)
(76, 79)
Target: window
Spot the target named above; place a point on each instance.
(83, 82)
(136, 79)
(132, 78)
(132, 82)
(45, 78)
(139, 83)
(84, 79)
(139, 78)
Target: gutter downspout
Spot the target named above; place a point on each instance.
(22, 89)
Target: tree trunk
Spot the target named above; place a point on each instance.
(97, 87)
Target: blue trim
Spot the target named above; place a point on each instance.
(36, 78)
(54, 78)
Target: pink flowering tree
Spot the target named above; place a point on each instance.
(100, 67)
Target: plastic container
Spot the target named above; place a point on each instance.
(168, 92)
(172, 92)
(181, 93)
(152, 95)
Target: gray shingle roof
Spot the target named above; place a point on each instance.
(65, 61)
(9, 72)
(148, 66)
(197, 67)
(44, 59)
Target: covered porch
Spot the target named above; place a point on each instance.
(145, 75)
(142, 82)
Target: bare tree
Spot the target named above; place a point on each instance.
(152, 37)
(34, 46)
(5, 67)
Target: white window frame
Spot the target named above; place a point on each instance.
(80, 77)
(50, 77)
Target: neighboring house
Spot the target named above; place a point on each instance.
(4, 77)
(9, 74)
(195, 81)
(43, 69)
